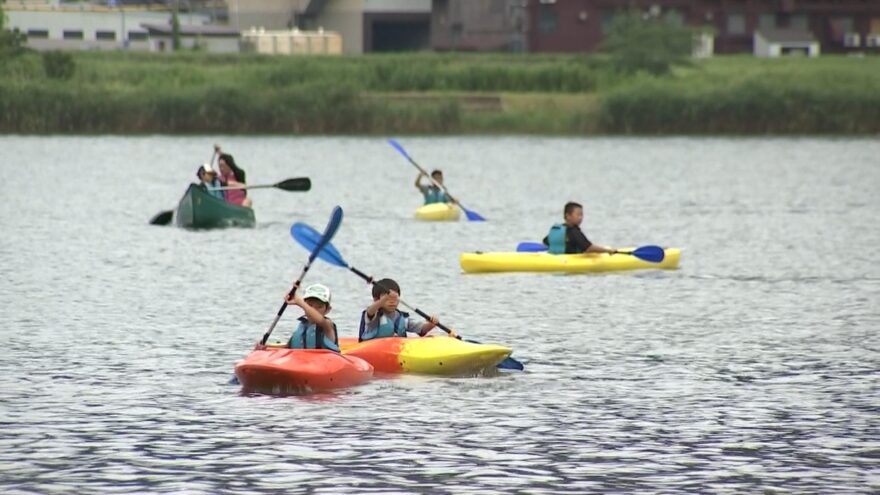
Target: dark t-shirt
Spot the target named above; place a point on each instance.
(575, 240)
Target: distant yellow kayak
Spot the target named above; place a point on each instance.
(567, 263)
(438, 212)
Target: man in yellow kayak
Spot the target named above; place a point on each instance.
(567, 237)
(383, 319)
(432, 192)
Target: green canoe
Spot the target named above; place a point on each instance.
(199, 210)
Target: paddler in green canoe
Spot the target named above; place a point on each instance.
(567, 237)
(431, 191)
(209, 180)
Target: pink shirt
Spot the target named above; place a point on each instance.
(234, 196)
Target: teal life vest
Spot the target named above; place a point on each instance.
(556, 239)
(434, 194)
(387, 327)
(308, 336)
(213, 189)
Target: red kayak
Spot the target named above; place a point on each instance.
(281, 370)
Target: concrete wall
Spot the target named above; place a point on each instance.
(345, 17)
(268, 14)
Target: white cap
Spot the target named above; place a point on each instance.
(208, 169)
(317, 291)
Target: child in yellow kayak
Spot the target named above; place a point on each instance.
(432, 193)
(383, 319)
(315, 330)
(567, 237)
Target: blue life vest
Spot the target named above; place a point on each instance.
(215, 192)
(434, 194)
(309, 336)
(556, 239)
(386, 328)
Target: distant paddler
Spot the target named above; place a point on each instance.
(433, 191)
(568, 238)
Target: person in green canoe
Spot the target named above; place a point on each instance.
(209, 180)
(431, 192)
(567, 237)
(315, 330)
(383, 319)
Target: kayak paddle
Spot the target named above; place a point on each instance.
(309, 238)
(322, 241)
(471, 215)
(162, 218)
(653, 254)
(296, 184)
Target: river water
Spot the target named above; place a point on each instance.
(751, 369)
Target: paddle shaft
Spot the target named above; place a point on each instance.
(421, 313)
(436, 184)
(284, 304)
(329, 232)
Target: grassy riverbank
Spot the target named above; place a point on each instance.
(437, 93)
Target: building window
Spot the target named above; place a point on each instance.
(736, 24)
(674, 17)
(767, 21)
(105, 35)
(607, 21)
(38, 33)
(137, 36)
(548, 19)
(73, 35)
(798, 21)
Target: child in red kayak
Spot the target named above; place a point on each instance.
(383, 319)
(315, 330)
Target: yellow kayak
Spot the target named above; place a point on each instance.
(569, 263)
(438, 212)
(435, 355)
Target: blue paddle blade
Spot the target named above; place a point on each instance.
(472, 215)
(654, 254)
(508, 364)
(309, 238)
(399, 148)
(530, 247)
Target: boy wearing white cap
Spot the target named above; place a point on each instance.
(208, 176)
(315, 330)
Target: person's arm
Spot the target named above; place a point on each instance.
(576, 239)
(595, 248)
(423, 328)
(372, 309)
(311, 313)
(419, 185)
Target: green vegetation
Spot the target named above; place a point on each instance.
(11, 42)
(651, 44)
(58, 65)
(194, 92)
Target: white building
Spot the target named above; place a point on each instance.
(212, 39)
(89, 27)
(778, 42)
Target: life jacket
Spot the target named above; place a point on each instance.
(213, 191)
(434, 195)
(556, 241)
(308, 336)
(386, 328)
